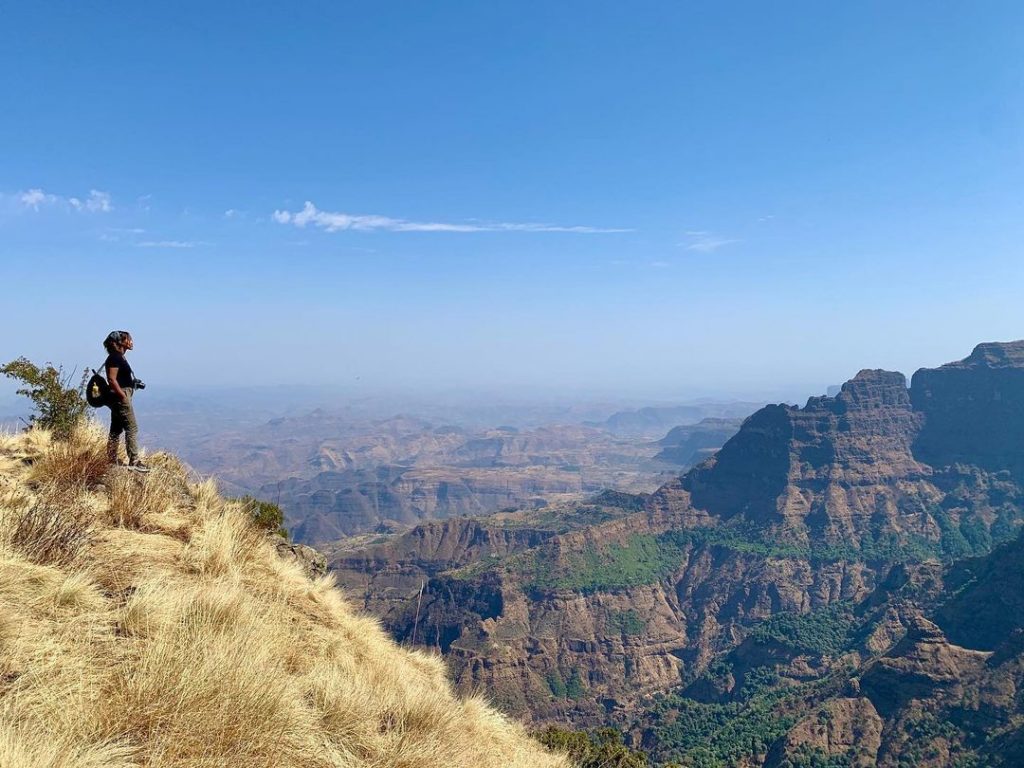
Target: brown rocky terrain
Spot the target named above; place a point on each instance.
(455, 473)
(816, 523)
(345, 471)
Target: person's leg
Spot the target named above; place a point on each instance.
(117, 426)
(131, 430)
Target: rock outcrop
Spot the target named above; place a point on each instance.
(844, 728)
(313, 563)
(824, 472)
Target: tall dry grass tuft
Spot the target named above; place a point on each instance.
(168, 633)
(135, 499)
(49, 535)
(78, 462)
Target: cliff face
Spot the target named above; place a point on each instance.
(803, 511)
(384, 575)
(973, 409)
(824, 472)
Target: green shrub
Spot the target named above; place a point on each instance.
(265, 515)
(603, 748)
(759, 680)
(627, 623)
(556, 684)
(574, 688)
(59, 406)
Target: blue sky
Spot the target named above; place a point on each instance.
(655, 199)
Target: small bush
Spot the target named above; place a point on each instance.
(265, 515)
(59, 405)
(48, 535)
(574, 687)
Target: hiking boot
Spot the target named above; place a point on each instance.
(138, 466)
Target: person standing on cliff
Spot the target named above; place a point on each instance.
(123, 384)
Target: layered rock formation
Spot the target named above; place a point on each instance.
(851, 500)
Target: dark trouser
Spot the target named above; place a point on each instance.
(122, 419)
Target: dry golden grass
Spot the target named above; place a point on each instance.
(149, 624)
(80, 462)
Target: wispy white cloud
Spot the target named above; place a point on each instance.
(34, 198)
(703, 241)
(95, 202)
(337, 222)
(114, 234)
(169, 243)
(234, 213)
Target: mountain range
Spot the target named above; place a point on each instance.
(837, 585)
(345, 472)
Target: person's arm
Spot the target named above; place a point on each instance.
(114, 386)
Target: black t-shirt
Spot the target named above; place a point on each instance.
(125, 378)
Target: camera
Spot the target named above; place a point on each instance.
(140, 384)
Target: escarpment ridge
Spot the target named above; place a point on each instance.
(794, 527)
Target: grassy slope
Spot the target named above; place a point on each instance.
(145, 622)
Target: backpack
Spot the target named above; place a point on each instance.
(97, 391)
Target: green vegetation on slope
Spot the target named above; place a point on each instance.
(717, 735)
(642, 559)
(626, 623)
(806, 756)
(825, 631)
(645, 558)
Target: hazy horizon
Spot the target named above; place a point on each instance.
(658, 202)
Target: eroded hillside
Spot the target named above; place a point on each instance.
(144, 621)
(796, 529)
